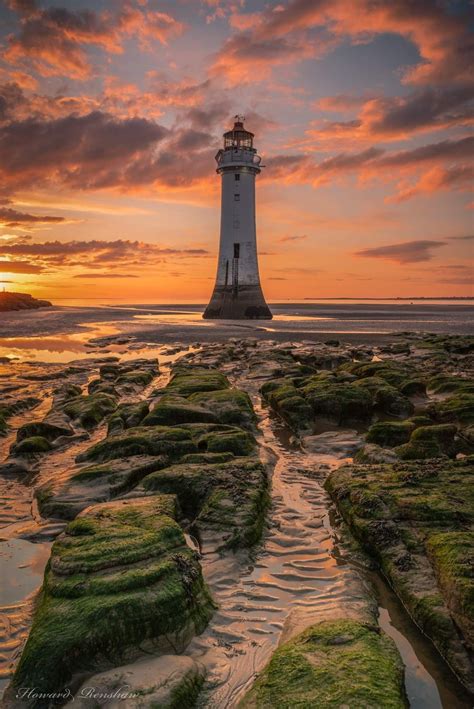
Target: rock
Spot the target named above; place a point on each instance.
(89, 410)
(228, 498)
(390, 433)
(429, 442)
(10, 407)
(417, 520)
(31, 446)
(127, 416)
(188, 380)
(230, 406)
(172, 681)
(317, 669)
(372, 453)
(94, 483)
(121, 581)
(458, 408)
(340, 402)
(173, 409)
(43, 428)
(142, 440)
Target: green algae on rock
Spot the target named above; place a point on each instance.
(121, 581)
(390, 433)
(94, 483)
(398, 511)
(31, 446)
(127, 416)
(336, 663)
(429, 442)
(187, 380)
(90, 410)
(172, 410)
(231, 406)
(141, 440)
(229, 498)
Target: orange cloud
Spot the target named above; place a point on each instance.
(53, 40)
(458, 177)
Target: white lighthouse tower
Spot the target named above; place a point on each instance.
(237, 292)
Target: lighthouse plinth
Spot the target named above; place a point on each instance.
(237, 292)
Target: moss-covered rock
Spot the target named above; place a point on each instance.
(398, 512)
(340, 402)
(127, 416)
(339, 663)
(64, 499)
(413, 387)
(449, 384)
(429, 442)
(231, 406)
(390, 433)
(386, 399)
(394, 373)
(188, 380)
(458, 408)
(89, 410)
(172, 409)
(142, 440)
(289, 403)
(121, 580)
(452, 555)
(44, 429)
(230, 440)
(31, 446)
(228, 498)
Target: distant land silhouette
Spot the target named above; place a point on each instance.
(21, 301)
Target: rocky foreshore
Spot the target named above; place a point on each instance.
(153, 479)
(20, 301)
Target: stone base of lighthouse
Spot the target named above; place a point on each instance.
(247, 303)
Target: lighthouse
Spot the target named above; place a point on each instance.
(237, 292)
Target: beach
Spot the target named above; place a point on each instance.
(79, 378)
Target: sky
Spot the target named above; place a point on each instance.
(111, 112)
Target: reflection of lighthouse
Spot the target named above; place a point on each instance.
(237, 291)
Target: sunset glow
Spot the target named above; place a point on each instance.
(111, 113)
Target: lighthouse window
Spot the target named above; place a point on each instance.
(236, 198)
(237, 176)
(236, 250)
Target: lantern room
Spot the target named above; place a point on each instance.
(238, 137)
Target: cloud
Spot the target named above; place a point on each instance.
(406, 252)
(95, 254)
(91, 151)
(19, 267)
(458, 177)
(442, 37)
(293, 238)
(468, 237)
(106, 275)
(396, 117)
(53, 40)
(13, 218)
(245, 58)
